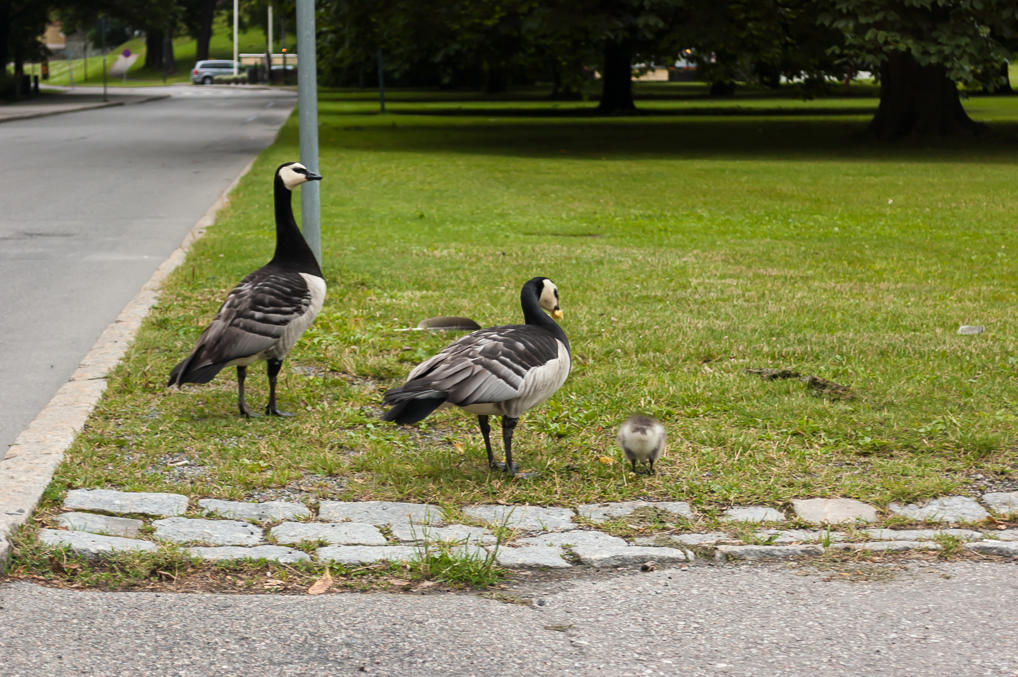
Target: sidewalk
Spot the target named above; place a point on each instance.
(56, 101)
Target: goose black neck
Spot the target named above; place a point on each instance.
(292, 250)
(533, 315)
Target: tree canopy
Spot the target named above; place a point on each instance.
(919, 49)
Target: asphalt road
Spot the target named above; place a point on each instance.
(91, 203)
(928, 619)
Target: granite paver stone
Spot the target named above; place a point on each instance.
(379, 513)
(93, 545)
(126, 502)
(100, 524)
(334, 533)
(367, 554)
(833, 510)
(524, 517)
(945, 509)
(753, 513)
(273, 553)
(268, 511)
(207, 532)
(1003, 503)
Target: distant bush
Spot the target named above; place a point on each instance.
(239, 79)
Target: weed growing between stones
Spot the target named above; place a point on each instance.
(457, 562)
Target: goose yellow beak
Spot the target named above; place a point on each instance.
(557, 313)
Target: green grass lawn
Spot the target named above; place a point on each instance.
(689, 245)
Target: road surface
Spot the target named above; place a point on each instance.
(91, 203)
(927, 619)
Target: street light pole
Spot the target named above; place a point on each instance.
(236, 27)
(307, 117)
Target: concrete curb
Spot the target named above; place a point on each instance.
(27, 468)
(74, 108)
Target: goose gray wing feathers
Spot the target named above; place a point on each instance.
(489, 365)
(256, 319)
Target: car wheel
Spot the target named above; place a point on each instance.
(207, 80)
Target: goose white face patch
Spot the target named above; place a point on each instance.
(293, 175)
(549, 297)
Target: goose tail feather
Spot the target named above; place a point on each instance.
(410, 406)
(182, 373)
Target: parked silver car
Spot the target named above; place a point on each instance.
(204, 71)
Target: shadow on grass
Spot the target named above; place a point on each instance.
(800, 138)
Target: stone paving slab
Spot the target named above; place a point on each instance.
(269, 511)
(531, 556)
(888, 546)
(833, 510)
(100, 524)
(602, 512)
(686, 540)
(789, 536)
(272, 553)
(411, 533)
(752, 513)
(922, 534)
(524, 517)
(999, 548)
(766, 552)
(93, 545)
(207, 532)
(367, 554)
(379, 513)
(1003, 503)
(126, 502)
(946, 509)
(598, 549)
(333, 533)
(1006, 535)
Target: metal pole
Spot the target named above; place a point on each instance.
(102, 33)
(381, 82)
(236, 28)
(307, 116)
(268, 73)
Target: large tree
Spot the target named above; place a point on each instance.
(197, 17)
(921, 49)
(22, 22)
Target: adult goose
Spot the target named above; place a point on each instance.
(266, 313)
(642, 439)
(500, 371)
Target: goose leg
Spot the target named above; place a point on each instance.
(273, 367)
(244, 411)
(508, 427)
(482, 421)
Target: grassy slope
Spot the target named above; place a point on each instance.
(687, 248)
(220, 47)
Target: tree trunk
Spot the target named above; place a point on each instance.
(617, 88)
(201, 46)
(919, 100)
(154, 49)
(5, 33)
(496, 79)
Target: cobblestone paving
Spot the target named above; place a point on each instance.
(104, 521)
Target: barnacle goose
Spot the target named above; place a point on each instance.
(642, 439)
(499, 371)
(266, 313)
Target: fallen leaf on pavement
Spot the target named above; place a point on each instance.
(322, 584)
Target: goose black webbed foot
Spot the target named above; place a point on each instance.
(271, 410)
